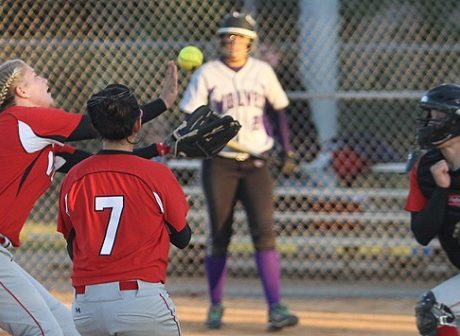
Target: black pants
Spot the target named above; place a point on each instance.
(226, 181)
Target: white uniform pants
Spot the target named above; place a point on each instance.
(104, 309)
(26, 307)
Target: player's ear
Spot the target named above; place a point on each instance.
(137, 125)
(21, 91)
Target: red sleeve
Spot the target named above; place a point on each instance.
(51, 122)
(416, 201)
(176, 206)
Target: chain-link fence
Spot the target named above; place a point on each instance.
(354, 71)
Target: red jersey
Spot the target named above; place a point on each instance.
(31, 136)
(118, 204)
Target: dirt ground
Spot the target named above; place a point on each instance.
(344, 317)
(318, 317)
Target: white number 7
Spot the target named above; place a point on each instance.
(116, 204)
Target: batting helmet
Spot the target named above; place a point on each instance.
(238, 24)
(432, 132)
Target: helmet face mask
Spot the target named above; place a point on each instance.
(441, 122)
(433, 132)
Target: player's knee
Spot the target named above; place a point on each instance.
(264, 243)
(432, 317)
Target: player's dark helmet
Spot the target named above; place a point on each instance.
(432, 132)
(238, 24)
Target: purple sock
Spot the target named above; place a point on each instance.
(268, 265)
(216, 271)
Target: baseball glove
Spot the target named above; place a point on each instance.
(202, 134)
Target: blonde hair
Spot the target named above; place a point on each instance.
(11, 73)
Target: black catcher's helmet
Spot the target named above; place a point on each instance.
(432, 132)
(238, 24)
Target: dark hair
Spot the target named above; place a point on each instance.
(113, 111)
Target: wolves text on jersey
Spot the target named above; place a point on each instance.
(235, 99)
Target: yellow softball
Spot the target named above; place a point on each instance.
(190, 58)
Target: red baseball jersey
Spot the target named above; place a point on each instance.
(31, 136)
(119, 204)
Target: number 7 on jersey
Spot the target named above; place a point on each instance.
(116, 204)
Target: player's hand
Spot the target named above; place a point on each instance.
(440, 172)
(289, 163)
(169, 89)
